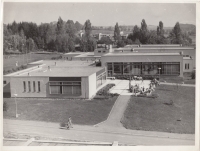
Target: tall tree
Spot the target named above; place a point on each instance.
(160, 29)
(60, 26)
(135, 34)
(144, 33)
(78, 26)
(87, 43)
(176, 34)
(117, 33)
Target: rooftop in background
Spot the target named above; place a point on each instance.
(141, 54)
(76, 52)
(160, 45)
(62, 69)
(146, 48)
(87, 55)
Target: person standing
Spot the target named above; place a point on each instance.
(70, 122)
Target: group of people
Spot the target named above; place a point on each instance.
(137, 90)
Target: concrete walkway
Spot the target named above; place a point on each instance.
(114, 118)
(98, 134)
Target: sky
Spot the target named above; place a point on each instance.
(101, 14)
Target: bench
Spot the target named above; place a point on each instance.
(112, 78)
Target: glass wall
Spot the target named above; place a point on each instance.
(68, 88)
(101, 79)
(143, 68)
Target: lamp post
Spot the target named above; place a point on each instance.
(15, 94)
(159, 72)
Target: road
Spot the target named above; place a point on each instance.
(97, 134)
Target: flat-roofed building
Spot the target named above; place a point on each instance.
(132, 63)
(71, 79)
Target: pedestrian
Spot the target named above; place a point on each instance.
(70, 122)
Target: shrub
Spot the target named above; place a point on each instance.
(193, 75)
(13, 69)
(62, 124)
(98, 64)
(5, 106)
(153, 96)
(104, 90)
(23, 66)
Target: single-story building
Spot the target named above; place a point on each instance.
(71, 79)
(132, 63)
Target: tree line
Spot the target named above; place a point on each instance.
(57, 36)
(64, 36)
(141, 35)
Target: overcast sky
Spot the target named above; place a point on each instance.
(101, 14)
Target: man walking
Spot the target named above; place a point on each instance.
(70, 122)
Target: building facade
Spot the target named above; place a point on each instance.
(143, 64)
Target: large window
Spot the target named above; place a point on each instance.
(29, 86)
(38, 86)
(101, 79)
(144, 68)
(33, 86)
(187, 66)
(68, 88)
(118, 68)
(24, 85)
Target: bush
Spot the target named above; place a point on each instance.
(5, 106)
(98, 64)
(193, 75)
(62, 124)
(104, 90)
(23, 66)
(153, 96)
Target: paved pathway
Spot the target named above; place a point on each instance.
(98, 134)
(114, 118)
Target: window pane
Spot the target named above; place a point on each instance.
(24, 83)
(67, 89)
(33, 86)
(38, 86)
(29, 86)
(117, 68)
(55, 89)
(77, 90)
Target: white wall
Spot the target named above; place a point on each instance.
(92, 85)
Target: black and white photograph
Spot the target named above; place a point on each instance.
(99, 74)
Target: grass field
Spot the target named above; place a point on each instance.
(151, 114)
(9, 63)
(51, 110)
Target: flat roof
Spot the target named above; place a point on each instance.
(61, 69)
(141, 54)
(87, 55)
(156, 48)
(64, 72)
(76, 52)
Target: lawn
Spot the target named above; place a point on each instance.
(151, 114)
(9, 63)
(83, 112)
(175, 79)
